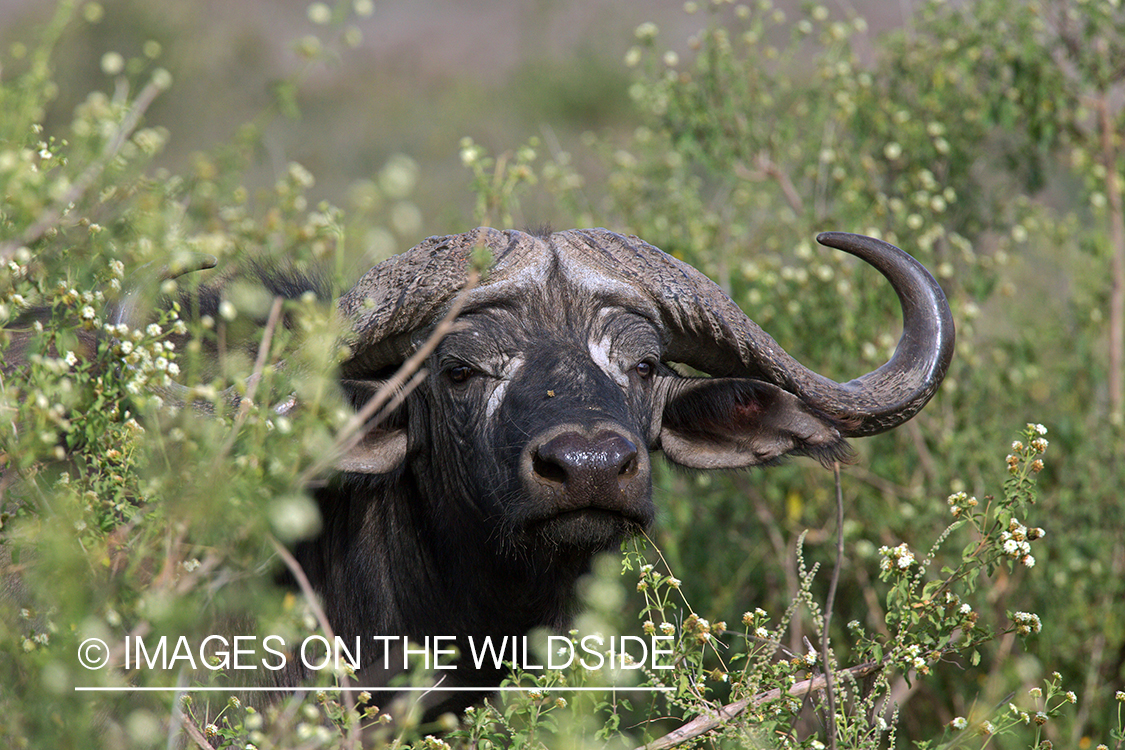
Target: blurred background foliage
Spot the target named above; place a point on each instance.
(983, 137)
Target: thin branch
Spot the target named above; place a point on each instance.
(829, 604)
(1108, 132)
(700, 725)
(194, 733)
(86, 180)
(263, 354)
(882, 484)
(322, 620)
(247, 402)
(766, 168)
(303, 584)
(925, 458)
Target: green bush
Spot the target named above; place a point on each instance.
(984, 139)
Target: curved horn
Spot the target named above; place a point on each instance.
(711, 333)
(408, 292)
(397, 300)
(896, 391)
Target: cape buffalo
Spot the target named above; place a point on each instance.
(476, 505)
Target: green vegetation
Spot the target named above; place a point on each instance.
(978, 599)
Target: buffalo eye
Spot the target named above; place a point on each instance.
(460, 373)
(645, 369)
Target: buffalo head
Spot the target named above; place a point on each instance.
(541, 408)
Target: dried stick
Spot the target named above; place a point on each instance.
(193, 732)
(700, 725)
(247, 401)
(322, 620)
(829, 604)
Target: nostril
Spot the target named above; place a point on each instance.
(548, 468)
(586, 466)
(629, 468)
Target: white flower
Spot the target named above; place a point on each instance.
(470, 153)
(959, 722)
(320, 14)
(647, 31)
(1027, 622)
(112, 63)
(900, 557)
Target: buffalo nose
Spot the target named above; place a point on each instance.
(587, 468)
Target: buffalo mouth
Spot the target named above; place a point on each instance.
(586, 486)
(590, 528)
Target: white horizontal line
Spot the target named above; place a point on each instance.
(436, 689)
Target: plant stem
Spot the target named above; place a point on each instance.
(1117, 261)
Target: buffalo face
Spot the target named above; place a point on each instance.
(542, 406)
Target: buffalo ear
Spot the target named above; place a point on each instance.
(731, 423)
(384, 445)
(379, 452)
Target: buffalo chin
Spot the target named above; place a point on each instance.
(589, 529)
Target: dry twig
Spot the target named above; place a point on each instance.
(194, 733)
(701, 725)
(322, 620)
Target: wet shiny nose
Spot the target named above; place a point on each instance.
(588, 470)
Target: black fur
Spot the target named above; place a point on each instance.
(471, 535)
